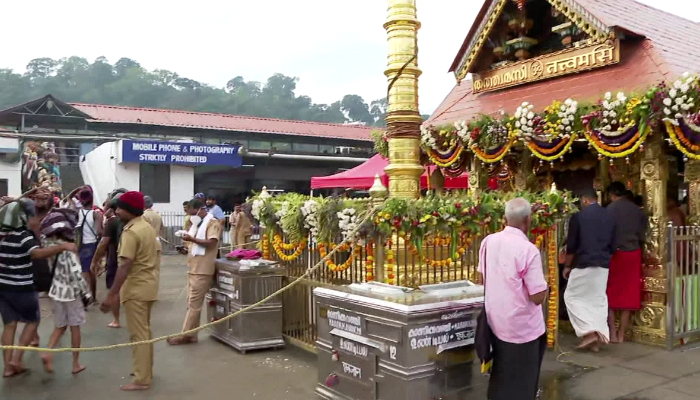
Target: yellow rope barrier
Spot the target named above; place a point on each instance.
(202, 327)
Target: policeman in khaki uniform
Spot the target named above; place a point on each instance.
(136, 284)
(203, 239)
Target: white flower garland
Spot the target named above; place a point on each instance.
(309, 210)
(426, 137)
(567, 114)
(609, 114)
(347, 222)
(678, 99)
(463, 131)
(281, 213)
(256, 209)
(523, 119)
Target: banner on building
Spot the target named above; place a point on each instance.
(192, 154)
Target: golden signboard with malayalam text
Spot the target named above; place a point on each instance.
(548, 66)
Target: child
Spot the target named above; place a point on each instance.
(68, 288)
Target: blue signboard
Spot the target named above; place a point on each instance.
(193, 154)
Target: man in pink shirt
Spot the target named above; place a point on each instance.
(515, 290)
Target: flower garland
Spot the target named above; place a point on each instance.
(265, 247)
(624, 149)
(555, 152)
(444, 144)
(280, 247)
(347, 222)
(495, 157)
(309, 210)
(681, 98)
(322, 250)
(389, 263)
(451, 158)
(553, 302)
(369, 261)
(449, 261)
(683, 145)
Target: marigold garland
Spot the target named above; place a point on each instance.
(449, 261)
(265, 247)
(390, 263)
(343, 247)
(280, 247)
(673, 133)
(546, 154)
(553, 302)
(369, 261)
(493, 158)
(598, 145)
(444, 163)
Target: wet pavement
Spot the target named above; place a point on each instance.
(210, 369)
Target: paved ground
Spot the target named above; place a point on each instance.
(210, 369)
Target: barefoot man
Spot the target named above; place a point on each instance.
(136, 284)
(589, 247)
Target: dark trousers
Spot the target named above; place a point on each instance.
(516, 369)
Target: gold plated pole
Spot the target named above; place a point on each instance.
(403, 118)
(692, 177)
(650, 322)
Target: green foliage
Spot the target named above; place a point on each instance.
(381, 144)
(74, 79)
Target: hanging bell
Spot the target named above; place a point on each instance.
(541, 162)
(611, 161)
(627, 160)
(551, 164)
(641, 147)
(685, 158)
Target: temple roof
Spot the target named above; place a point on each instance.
(656, 46)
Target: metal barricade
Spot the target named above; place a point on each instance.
(175, 221)
(683, 302)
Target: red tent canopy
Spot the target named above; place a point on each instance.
(362, 177)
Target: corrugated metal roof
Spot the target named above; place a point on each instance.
(670, 48)
(226, 122)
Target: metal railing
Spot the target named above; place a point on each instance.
(683, 285)
(175, 221)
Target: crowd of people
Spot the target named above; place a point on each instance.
(61, 248)
(603, 264)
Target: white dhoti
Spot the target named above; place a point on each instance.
(587, 302)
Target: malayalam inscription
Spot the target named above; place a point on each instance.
(434, 335)
(346, 322)
(561, 63)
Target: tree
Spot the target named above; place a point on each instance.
(356, 109)
(378, 111)
(41, 68)
(75, 79)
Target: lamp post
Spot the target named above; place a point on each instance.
(403, 119)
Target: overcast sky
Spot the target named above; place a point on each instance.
(334, 47)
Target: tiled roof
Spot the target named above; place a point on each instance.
(226, 122)
(675, 37)
(670, 48)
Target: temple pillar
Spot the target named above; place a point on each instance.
(403, 118)
(649, 324)
(692, 178)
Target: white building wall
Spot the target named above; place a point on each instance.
(13, 173)
(104, 173)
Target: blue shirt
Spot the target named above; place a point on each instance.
(591, 237)
(216, 211)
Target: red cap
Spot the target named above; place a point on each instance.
(132, 202)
